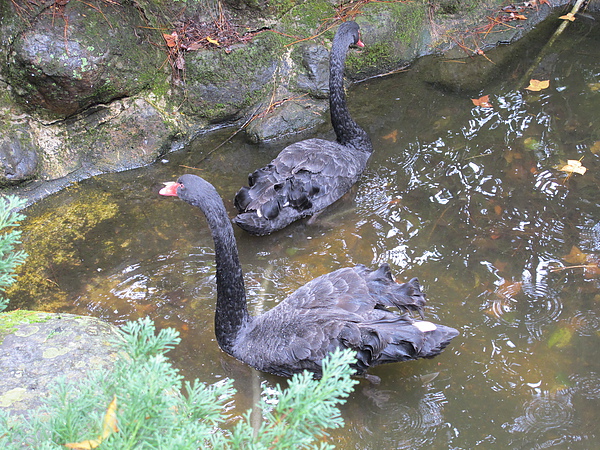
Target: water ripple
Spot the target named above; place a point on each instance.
(586, 323)
(545, 412)
(587, 385)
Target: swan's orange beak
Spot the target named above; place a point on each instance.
(170, 188)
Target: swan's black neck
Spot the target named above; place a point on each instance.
(231, 311)
(347, 131)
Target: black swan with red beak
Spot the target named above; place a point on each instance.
(347, 308)
(309, 175)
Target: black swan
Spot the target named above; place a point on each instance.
(309, 175)
(346, 308)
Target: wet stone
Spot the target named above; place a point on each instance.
(37, 348)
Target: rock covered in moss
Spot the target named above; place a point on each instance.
(36, 348)
(67, 58)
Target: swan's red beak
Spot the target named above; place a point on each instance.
(360, 43)
(170, 189)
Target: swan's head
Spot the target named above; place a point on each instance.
(352, 29)
(189, 188)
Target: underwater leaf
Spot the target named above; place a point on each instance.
(484, 101)
(537, 85)
(595, 148)
(594, 87)
(393, 136)
(560, 338)
(576, 256)
(573, 166)
(532, 143)
(569, 16)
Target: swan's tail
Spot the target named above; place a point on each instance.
(402, 340)
(407, 297)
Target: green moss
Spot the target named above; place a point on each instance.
(52, 242)
(304, 18)
(10, 320)
(378, 55)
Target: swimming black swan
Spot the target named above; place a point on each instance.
(346, 308)
(309, 175)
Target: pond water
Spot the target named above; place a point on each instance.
(470, 200)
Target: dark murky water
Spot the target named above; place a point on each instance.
(470, 200)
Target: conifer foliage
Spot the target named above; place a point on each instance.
(143, 403)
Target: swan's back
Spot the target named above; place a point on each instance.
(305, 177)
(347, 308)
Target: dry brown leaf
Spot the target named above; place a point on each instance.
(484, 101)
(570, 17)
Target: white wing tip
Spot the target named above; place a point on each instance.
(425, 326)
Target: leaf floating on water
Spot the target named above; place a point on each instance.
(569, 16)
(576, 256)
(484, 101)
(537, 85)
(393, 136)
(573, 166)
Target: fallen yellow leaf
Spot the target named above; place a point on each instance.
(594, 87)
(573, 166)
(569, 16)
(212, 41)
(109, 426)
(537, 85)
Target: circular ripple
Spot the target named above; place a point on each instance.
(588, 385)
(545, 412)
(586, 323)
(414, 425)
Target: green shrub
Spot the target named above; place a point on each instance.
(153, 413)
(9, 258)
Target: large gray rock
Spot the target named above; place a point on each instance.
(66, 59)
(36, 348)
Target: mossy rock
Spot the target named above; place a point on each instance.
(37, 348)
(85, 53)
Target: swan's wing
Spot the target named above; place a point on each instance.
(359, 289)
(304, 175)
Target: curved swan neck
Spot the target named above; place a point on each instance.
(231, 310)
(347, 131)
